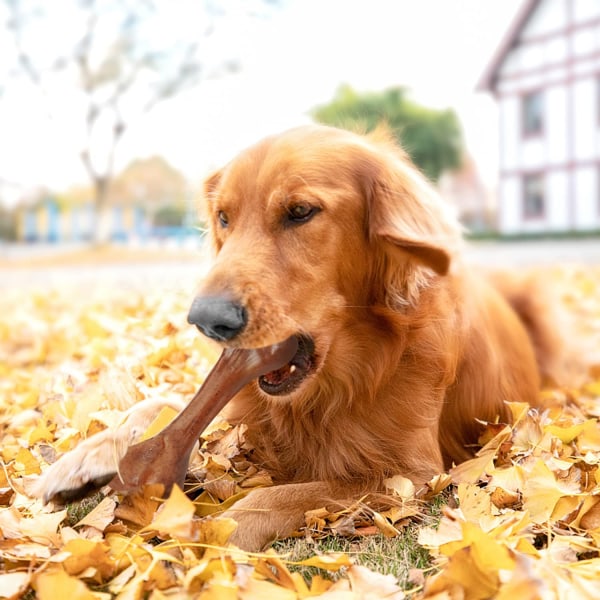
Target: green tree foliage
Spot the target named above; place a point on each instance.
(433, 138)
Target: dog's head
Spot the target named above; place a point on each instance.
(314, 231)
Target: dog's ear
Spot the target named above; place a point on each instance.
(406, 214)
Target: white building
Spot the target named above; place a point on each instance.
(546, 78)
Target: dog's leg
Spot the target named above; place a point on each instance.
(268, 514)
(95, 461)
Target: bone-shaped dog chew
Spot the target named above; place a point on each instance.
(164, 458)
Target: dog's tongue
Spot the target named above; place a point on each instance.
(164, 457)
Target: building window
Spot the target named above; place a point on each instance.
(534, 203)
(533, 113)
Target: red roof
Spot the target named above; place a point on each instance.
(509, 41)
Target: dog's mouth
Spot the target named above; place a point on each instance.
(286, 379)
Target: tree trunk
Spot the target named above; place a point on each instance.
(102, 218)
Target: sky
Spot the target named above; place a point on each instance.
(291, 61)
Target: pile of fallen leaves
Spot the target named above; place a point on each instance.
(523, 519)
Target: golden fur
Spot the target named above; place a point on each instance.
(411, 346)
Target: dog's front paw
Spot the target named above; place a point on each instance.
(256, 526)
(96, 460)
(84, 469)
(271, 513)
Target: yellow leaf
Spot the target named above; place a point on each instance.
(510, 479)
(526, 547)
(213, 567)
(133, 590)
(207, 505)
(26, 463)
(213, 531)
(518, 410)
(256, 588)
(487, 553)
(592, 388)
(40, 433)
(472, 470)
(125, 550)
(474, 502)
(273, 568)
(139, 508)
(175, 516)
(589, 439)
(221, 590)
(541, 492)
(160, 568)
(14, 585)
(396, 513)
(318, 585)
(162, 350)
(567, 433)
(122, 580)
(332, 562)
(300, 585)
(158, 595)
(472, 581)
(43, 527)
(162, 419)
(401, 486)
(101, 516)
(92, 328)
(523, 584)
(589, 515)
(316, 519)
(88, 553)
(438, 484)
(384, 525)
(51, 585)
(564, 507)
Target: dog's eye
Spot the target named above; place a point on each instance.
(300, 213)
(223, 219)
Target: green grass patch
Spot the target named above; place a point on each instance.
(82, 508)
(395, 556)
(389, 556)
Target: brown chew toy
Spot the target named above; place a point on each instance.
(164, 458)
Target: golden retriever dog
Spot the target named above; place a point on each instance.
(337, 239)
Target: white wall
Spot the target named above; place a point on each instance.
(509, 217)
(584, 10)
(586, 120)
(510, 132)
(549, 16)
(533, 153)
(587, 186)
(557, 149)
(557, 195)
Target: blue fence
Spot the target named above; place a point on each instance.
(49, 223)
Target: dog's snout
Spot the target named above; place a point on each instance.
(218, 318)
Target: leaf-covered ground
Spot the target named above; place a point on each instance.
(521, 520)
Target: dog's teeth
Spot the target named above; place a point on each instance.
(292, 368)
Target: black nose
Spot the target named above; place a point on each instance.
(218, 318)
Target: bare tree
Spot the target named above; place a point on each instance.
(114, 60)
